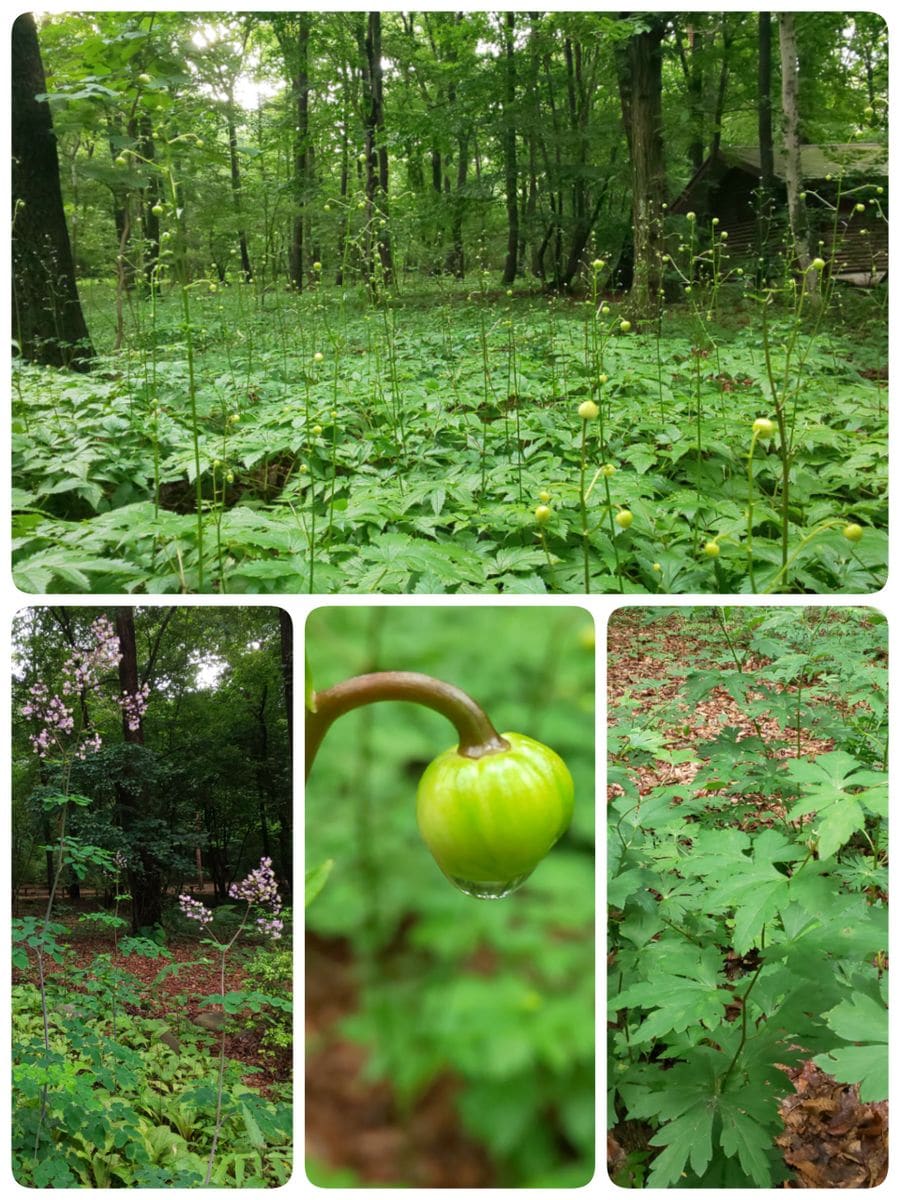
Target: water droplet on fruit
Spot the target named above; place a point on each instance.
(488, 890)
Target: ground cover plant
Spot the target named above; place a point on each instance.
(450, 1037)
(142, 1055)
(747, 844)
(322, 330)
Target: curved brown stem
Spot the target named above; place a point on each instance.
(477, 736)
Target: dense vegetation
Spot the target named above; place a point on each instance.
(748, 897)
(374, 303)
(451, 1039)
(151, 967)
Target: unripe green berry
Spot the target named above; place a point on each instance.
(318, 356)
(543, 513)
(607, 470)
(144, 80)
(157, 210)
(711, 550)
(624, 326)
(624, 517)
(490, 820)
(818, 264)
(588, 410)
(763, 427)
(691, 216)
(121, 160)
(852, 532)
(544, 497)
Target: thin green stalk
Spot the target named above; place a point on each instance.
(744, 1000)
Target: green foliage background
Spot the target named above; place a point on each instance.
(519, 1034)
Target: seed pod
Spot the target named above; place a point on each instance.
(489, 821)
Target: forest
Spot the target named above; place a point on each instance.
(152, 891)
(450, 1028)
(447, 302)
(748, 898)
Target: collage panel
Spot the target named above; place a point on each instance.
(152, 865)
(747, 897)
(433, 302)
(449, 822)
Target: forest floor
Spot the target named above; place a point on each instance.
(357, 1123)
(318, 444)
(830, 1138)
(169, 999)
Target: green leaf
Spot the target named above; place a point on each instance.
(316, 878)
(749, 1140)
(687, 1137)
(864, 1021)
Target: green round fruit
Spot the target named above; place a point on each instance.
(588, 410)
(852, 532)
(489, 821)
(144, 80)
(624, 518)
(712, 550)
(543, 513)
(818, 264)
(763, 427)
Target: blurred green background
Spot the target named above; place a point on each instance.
(450, 1040)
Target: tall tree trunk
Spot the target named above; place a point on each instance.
(766, 143)
(301, 148)
(286, 629)
(246, 270)
(640, 85)
(510, 166)
(48, 324)
(793, 175)
(144, 878)
(376, 154)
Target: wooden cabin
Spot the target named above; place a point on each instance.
(836, 178)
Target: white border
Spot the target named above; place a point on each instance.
(299, 607)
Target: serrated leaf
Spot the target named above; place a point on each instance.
(750, 1141)
(864, 1021)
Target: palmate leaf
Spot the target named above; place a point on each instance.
(862, 1020)
(749, 1140)
(675, 1003)
(688, 1137)
(841, 793)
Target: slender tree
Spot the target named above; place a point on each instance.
(510, 165)
(793, 175)
(639, 61)
(48, 323)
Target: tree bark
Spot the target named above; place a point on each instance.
(376, 155)
(48, 323)
(510, 166)
(793, 176)
(640, 86)
(301, 147)
(144, 877)
(235, 165)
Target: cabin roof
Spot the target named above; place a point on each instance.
(816, 163)
(849, 158)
